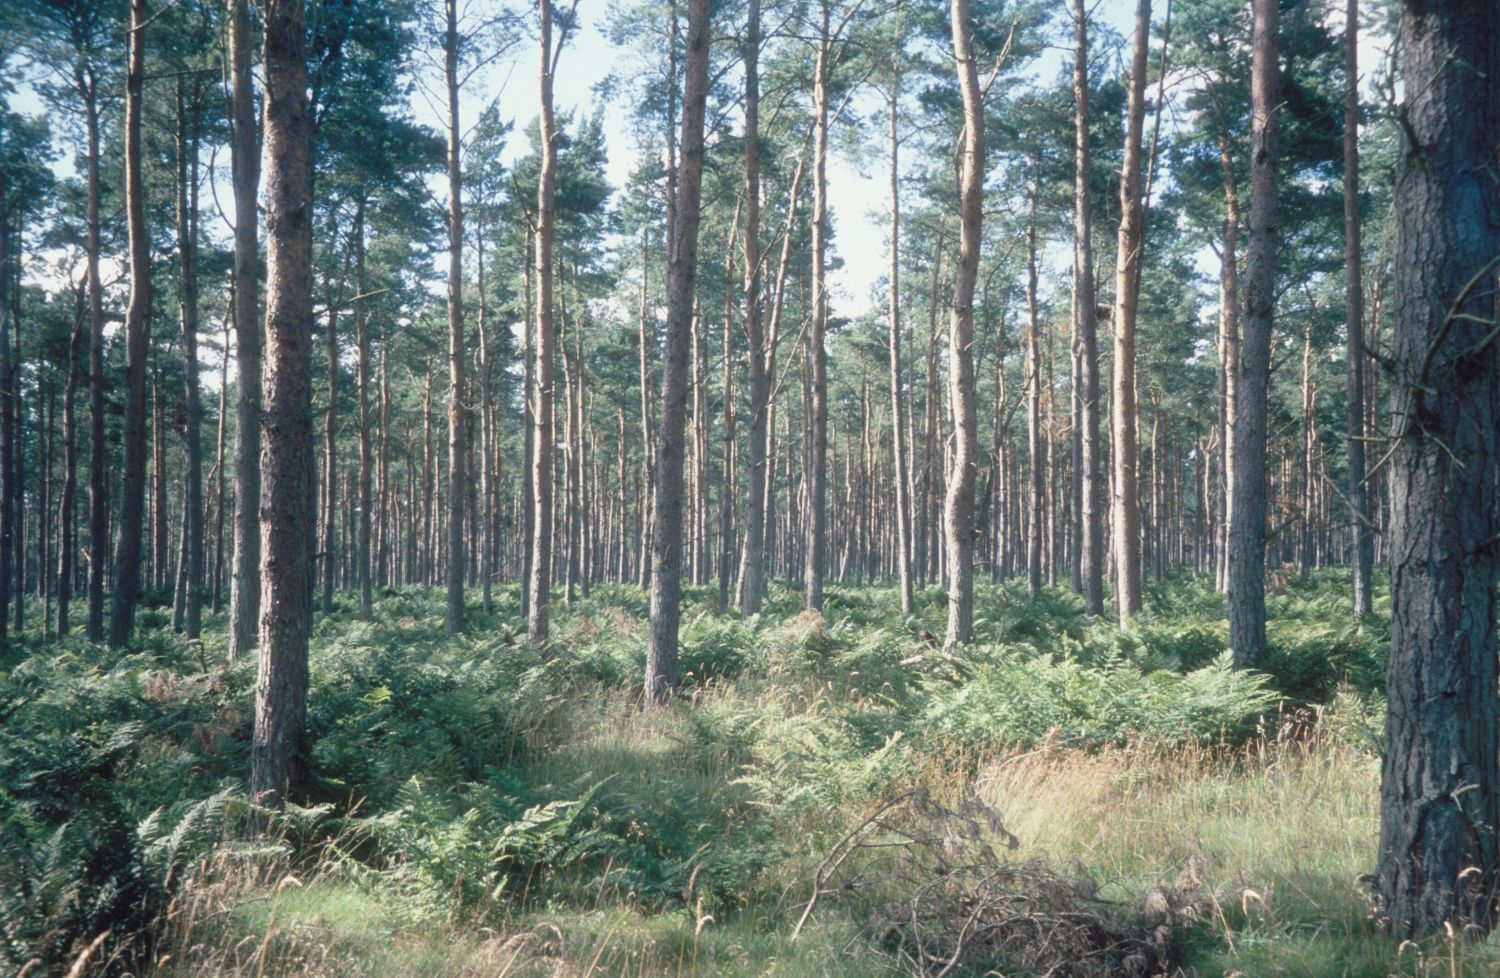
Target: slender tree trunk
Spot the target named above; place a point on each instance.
(244, 585)
(86, 82)
(187, 231)
(458, 483)
(8, 446)
(131, 526)
(286, 517)
(1126, 508)
(1440, 801)
(328, 561)
(902, 463)
(752, 552)
(959, 514)
(542, 404)
(67, 502)
(1247, 529)
(818, 421)
(666, 545)
(1354, 299)
(1229, 359)
(1090, 519)
(362, 570)
(1035, 449)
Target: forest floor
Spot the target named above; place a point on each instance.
(1064, 795)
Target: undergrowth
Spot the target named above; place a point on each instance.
(514, 798)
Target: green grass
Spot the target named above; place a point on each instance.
(484, 807)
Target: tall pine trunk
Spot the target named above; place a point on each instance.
(130, 528)
(1354, 302)
(458, 483)
(286, 516)
(540, 585)
(959, 511)
(1247, 518)
(666, 543)
(1440, 800)
(244, 583)
(1090, 519)
(752, 552)
(1126, 507)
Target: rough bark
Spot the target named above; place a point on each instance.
(666, 544)
(1035, 450)
(130, 527)
(1440, 801)
(244, 585)
(959, 510)
(1086, 324)
(1354, 303)
(1126, 508)
(901, 462)
(458, 483)
(98, 450)
(187, 245)
(752, 548)
(286, 517)
(540, 584)
(1247, 521)
(817, 462)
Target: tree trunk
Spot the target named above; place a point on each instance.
(1090, 519)
(1229, 360)
(362, 570)
(1354, 300)
(1440, 800)
(901, 473)
(542, 441)
(98, 449)
(1247, 521)
(67, 502)
(458, 483)
(817, 462)
(752, 553)
(959, 513)
(244, 585)
(666, 544)
(131, 526)
(286, 517)
(187, 246)
(1126, 509)
(1035, 450)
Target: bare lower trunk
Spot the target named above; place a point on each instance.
(666, 545)
(131, 526)
(1247, 527)
(959, 511)
(244, 586)
(286, 518)
(1090, 519)
(458, 483)
(817, 462)
(752, 552)
(901, 474)
(1440, 801)
(1354, 299)
(540, 585)
(1126, 456)
(1034, 446)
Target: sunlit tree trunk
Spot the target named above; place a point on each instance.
(666, 545)
(131, 524)
(1247, 518)
(1354, 300)
(1126, 506)
(244, 586)
(286, 516)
